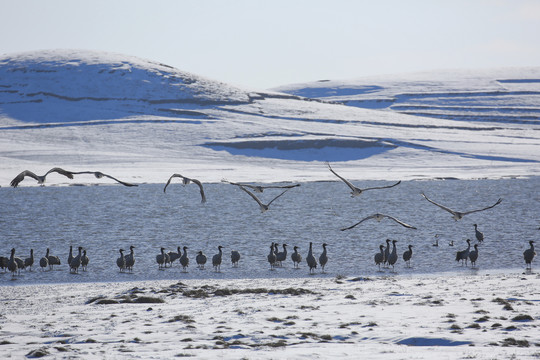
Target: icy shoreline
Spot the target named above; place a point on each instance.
(481, 316)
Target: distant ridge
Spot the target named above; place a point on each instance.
(508, 95)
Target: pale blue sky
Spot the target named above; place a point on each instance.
(263, 44)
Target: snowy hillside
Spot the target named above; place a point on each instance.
(510, 95)
(143, 120)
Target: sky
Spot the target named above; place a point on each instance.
(264, 44)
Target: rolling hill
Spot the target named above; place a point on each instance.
(144, 120)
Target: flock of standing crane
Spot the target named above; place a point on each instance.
(125, 262)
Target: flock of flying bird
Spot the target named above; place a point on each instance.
(386, 256)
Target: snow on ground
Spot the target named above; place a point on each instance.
(142, 121)
(491, 316)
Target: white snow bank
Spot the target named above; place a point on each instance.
(481, 317)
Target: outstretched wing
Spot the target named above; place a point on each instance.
(115, 179)
(15, 182)
(203, 198)
(489, 207)
(253, 196)
(66, 173)
(280, 186)
(278, 196)
(358, 223)
(169, 181)
(439, 205)
(255, 188)
(353, 188)
(382, 187)
(399, 222)
(99, 175)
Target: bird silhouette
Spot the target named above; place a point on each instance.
(99, 175)
(40, 178)
(379, 257)
(379, 217)
(260, 188)
(263, 207)
(355, 191)
(186, 181)
(457, 215)
(529, 255)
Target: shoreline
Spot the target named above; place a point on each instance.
(30, 184)
(316, 276)
(476, 316)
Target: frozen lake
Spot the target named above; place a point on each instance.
(104, 219)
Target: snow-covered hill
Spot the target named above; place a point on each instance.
(509, 95)
(68, 85)
(143, 120)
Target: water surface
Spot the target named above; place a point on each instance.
(104, 219)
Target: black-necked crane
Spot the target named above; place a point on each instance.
(161, 258)
(323, 258)
(201, 260)
(473, 255)
(186, 181)
(76, 262)
(464, 254)
(175, 255)
(70, 255)
(529, 254)
(355, 191)
(479, 235)
(263, 207)
(44, 262)
(12, 264)
(272, 258)
(216, 259)
(392, 258)
(130, 259)
(53, 260)
(282, 255)
(99, 175)
(379, 257)
(121, 261)
(379, 217)
(457, 215)
(260, 188)
(296, 257)
(235, 258)
(4, 262)
(184, 259)
(310, 259)
(20, 263)
(84, 260)
(407, 255)
(386, 253)
(40, 178)
(29, 261)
